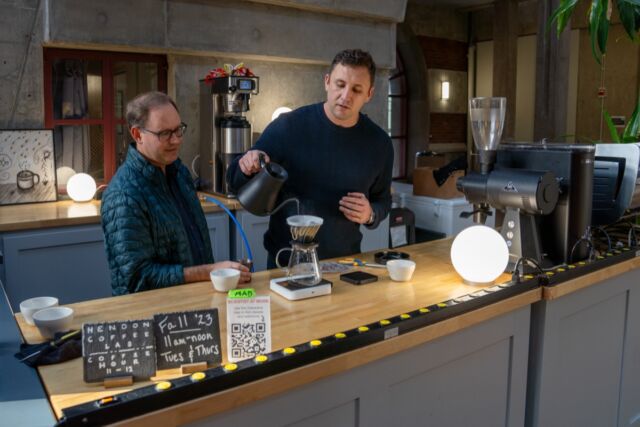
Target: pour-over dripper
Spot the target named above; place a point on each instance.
(487, 122)
(304, 227)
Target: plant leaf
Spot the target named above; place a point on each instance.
(603, 26)
(632, 129)
(598, 37)
(562, 15)
(612, 128)
(629, 11)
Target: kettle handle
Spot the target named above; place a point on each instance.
(261, 159)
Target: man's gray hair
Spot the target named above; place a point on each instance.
(139, 107)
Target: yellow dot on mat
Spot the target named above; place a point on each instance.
(582, 263)
(549, 273)
(230, 367)
(404, 316)
(261, 358)
(424, 310)
(340, 335)
(442, 305)
(315, 343)
(198, 376)
(571, 266)
(363, 328)
(528, 276)
(163, 385)
(385, 322)
(561, 269)
(289, 350)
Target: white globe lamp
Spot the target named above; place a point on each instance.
(479, 254)
(81, 187)
(278, 111)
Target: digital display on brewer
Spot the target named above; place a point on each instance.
(245, 84)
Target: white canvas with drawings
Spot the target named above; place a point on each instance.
(27, 167)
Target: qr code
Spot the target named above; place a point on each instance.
(248, 339)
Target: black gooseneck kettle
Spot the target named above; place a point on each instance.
(259, 196)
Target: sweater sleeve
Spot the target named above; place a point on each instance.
(130, 250)
(380, 192)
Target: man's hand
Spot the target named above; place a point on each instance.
(250, 162)
(356, 208)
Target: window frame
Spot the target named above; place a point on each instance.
(108, 120)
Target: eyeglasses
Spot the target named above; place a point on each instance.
(165, 135)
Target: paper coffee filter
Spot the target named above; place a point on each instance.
(304, 227)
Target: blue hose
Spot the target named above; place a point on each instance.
(232, 216)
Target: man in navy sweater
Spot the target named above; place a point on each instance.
(339, 161)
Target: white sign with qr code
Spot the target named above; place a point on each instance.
(248, 327)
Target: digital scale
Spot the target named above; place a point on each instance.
(284, 286)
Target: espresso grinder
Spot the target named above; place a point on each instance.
(224, 130)
(522, 194)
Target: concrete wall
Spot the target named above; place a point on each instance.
(21, 32)
(288, 43)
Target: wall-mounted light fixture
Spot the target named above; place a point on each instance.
(445, 90)
(279, 111)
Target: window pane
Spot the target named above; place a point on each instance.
(123, 139)
(81, 148)
(131, 79)
(77, 89)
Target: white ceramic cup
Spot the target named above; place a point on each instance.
(225, 279)
(52, 320)
(30, 306)
(401, 270)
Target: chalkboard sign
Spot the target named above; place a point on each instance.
(187, 337)
(114, 349)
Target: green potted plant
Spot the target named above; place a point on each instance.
(599, 19)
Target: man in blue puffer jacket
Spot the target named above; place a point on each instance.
(155, 231)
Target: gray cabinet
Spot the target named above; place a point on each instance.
(376, 239)
(585, 359)
(70, 263)
(475, 377)
(66, 262)
(218, 225)
(254, 228)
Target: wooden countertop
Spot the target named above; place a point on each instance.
(293, 322)
(63, 213)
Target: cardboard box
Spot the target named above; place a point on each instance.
(425, 185)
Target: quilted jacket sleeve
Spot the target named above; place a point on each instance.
(130, 249)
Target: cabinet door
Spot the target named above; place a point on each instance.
(376, 239)
(218, 225)
(254, 227)
(69, 263)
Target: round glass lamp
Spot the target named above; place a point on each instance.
(479, 254)
(81, 187)
(278, 111)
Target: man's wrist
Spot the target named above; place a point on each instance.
(372, 218)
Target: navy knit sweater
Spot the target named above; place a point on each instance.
(325, 162)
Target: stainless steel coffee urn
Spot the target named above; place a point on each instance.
(224, 130)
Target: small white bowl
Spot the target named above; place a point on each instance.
(52, 320)
(30, 306)
(225, 279)
(401, 270)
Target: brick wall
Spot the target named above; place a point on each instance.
(448, 118)
(448, 128)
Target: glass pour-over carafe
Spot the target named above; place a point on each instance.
(303, 267)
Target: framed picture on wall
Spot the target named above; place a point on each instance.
(27, 167)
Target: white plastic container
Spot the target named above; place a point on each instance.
(441, 215)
